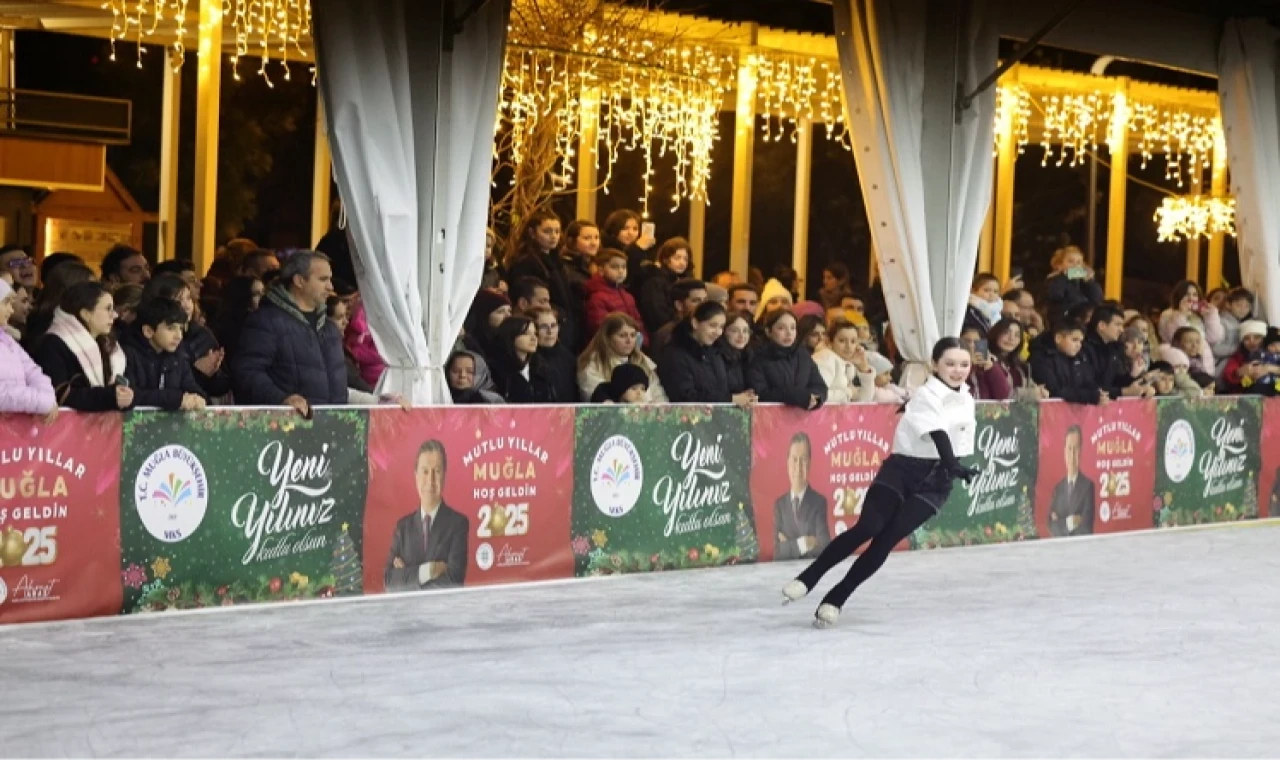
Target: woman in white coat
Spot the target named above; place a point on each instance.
(912, 485)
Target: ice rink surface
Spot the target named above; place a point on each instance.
(1151, 644)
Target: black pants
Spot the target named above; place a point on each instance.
(905, 494)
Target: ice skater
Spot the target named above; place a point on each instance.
(912, 485)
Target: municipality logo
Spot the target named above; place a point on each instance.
(171, 493)
(617, 476)
(1179, 451)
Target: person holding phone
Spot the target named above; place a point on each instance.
(1187, 308)
(625, 231)
(1071, 284)
(1249, 367)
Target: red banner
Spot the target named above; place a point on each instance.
(1097, 468)
(1269, 477)
(810, 472)
(503, 477)
(59, 517)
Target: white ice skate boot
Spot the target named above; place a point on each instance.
(826, 616)
(794, 592)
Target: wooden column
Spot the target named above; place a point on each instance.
(698, 237)
(588, 139)
(804, 175)
(1002, 217)
(1118, 142)
(208, 86)
(321, 177)
(744, 141)
(170, 109)
(1217, 189)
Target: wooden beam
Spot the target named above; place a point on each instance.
(800, 224)
(1118, 142)
(170, 121)
(588, 143)
(744, 141)
(698, 237)
(321, 177)
(1218, 189)
(204, 231)
(1002, 218)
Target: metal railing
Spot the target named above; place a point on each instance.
(82, 118)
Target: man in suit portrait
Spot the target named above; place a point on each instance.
(800, 515)
(429, 547)
(1071, 509)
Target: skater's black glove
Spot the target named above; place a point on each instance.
(947, 457)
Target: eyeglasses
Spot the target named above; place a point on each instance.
(19, 263)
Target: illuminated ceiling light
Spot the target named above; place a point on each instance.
(1191, 216)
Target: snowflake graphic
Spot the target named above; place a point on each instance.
(581, 545)
(161, 567)
(134, 576)
(599, 538)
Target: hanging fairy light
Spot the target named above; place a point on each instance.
(655, 100)
(1190, 216)
(1013, 116)
(265, 28)
(791, 88)
(1072, 122)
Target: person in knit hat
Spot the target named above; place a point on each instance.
(488, 310)
(774, 296)
(1253, 367)
(1186, 382)
(629, 384)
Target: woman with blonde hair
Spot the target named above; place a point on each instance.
(614, 344)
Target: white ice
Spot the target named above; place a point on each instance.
(1142, 645)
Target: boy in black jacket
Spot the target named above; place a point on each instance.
(1064, 369)
(157, 369)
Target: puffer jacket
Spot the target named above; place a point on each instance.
(284, 352)
(158, 379)
(196, 343)
(603, 299)
(1070, 378)
(691, 372)
(24, 387)
(786, 375)
(655, 299)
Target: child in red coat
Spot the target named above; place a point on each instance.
(605, 292)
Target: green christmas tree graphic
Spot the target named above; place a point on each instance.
(745, 534)
(345, 566)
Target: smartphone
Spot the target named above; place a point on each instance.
(982, 349)
(1015, 273)
(1076, 273)
(122, 381)
(647, 230)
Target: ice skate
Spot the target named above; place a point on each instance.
(826, 616)
(794, 592)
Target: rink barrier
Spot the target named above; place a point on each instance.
(148, 511)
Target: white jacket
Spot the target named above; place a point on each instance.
(932, 407)
(590, 377)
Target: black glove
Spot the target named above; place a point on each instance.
(947, 457)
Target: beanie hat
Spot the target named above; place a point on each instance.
(716, 294)
(879, 362)
(486, 302)
(1253, 327)
(772, 289)
(6, 289)
(808, 308)
(625, 376)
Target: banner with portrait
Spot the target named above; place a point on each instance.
(997, 505)
(1208, 460)
(467, 496)
(661, 488)
(1269, 475)
(1096, 469)
(810, 472)
(59, 516)
(230, 507)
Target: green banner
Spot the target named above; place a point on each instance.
(998, 505)
(229, 507)
(1209, 460)
(660, 488)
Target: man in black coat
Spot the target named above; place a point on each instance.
(800, 515)
(289, 353)
(157, 368)
(429, 547)
(1064, 368)
(1105, 352)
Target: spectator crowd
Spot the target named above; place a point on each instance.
(593, 314)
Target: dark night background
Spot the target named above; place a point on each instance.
(268, 136)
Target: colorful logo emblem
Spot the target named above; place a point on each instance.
(171, 493)
(617, 476)
(1179, 451)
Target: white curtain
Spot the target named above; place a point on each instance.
(882, 46)
(411, 129)
(1247, 89)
